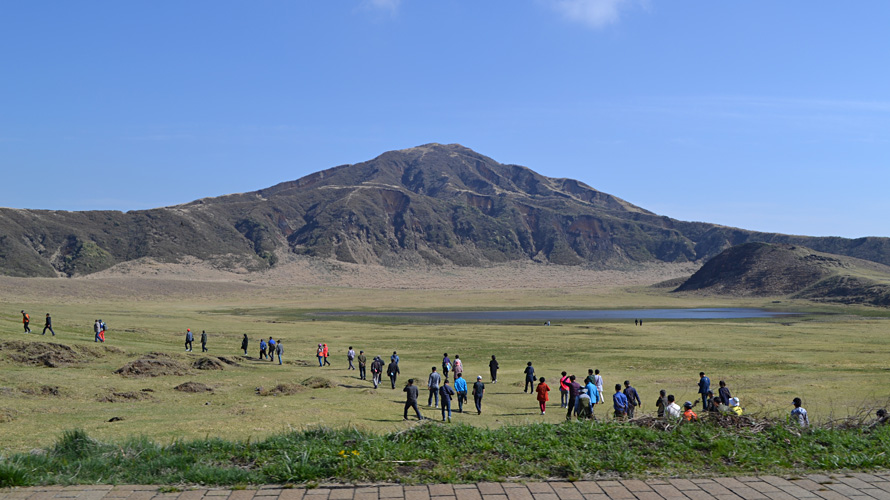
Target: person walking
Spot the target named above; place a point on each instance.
(362, 365)
(458, 365)
(203, 341)
(26, 320)
(411, 399)
(530, 378)
(589, 377)
(272, 349)
(704, 385)
(593, 394)
(598, 382)
(493, 369)
(445, 393)
(633, 399)
(478, 392)
(460, 387)
(350, 355)
(799, 414)
(102, 329)
(661, 403)
(619, 403)
(433, 385)
(48, 325)
(724, 393)
(564, 391)
(446, 365)
(393, 371)
(262, 348)
(245, 343)
(324, 354)
(543, 389)
(394, 357)
(376, 370)
(574, 394)
(320, 354)
(188, 339)
(279, 350)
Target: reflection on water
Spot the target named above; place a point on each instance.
(629, 314)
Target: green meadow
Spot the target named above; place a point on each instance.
(835, 358)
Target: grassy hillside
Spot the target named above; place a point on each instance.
(761, 269)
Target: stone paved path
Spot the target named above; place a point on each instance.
(813, 486)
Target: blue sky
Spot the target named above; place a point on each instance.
(771, 116)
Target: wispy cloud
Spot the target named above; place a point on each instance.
(389, 6)
(593, 13)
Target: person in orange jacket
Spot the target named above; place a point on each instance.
(688, 414)
(26, 320)
(324, 353)
(543, 397)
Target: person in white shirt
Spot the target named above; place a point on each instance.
(673, 409)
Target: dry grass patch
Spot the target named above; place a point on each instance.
(281, 390)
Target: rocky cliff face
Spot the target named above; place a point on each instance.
(430, 204)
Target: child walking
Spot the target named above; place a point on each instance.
(543, 397)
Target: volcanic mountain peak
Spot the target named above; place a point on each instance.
(432, 204)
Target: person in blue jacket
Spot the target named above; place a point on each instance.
(460, 387)
(619, 403)
(704, 386)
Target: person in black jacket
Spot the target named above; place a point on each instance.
(724, 393)
(411, 399)
(48, 325)
(203, 341)
(245, 344)
(393, 371)
(530, 378)
(493, 368)
(478, 392)
(376, 370)
(633, 398)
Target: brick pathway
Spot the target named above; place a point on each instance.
(814, 486)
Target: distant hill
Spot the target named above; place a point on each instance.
(433, 204)
(762, 269)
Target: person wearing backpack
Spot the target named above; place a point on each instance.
(26, 320)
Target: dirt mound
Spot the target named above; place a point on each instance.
(43, 390)
(47, 354)
(193, 387)
(152, 368)
(231, 361)
(318, 383)
(157, 355)
(281, 390)
(208, 364)
(124, 397)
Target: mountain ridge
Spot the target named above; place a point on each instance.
(434, 204)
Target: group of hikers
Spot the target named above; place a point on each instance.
(268, 348)
(579, 399)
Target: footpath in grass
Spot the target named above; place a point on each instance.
(437, 453)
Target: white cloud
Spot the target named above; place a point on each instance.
(594, 13)
(391, 6)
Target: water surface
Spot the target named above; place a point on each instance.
(593, 314)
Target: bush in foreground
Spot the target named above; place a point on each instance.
(431, 452)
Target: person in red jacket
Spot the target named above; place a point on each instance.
(543, 397)
(324, 354)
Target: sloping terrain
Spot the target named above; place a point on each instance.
(764, 270)
(433, 204)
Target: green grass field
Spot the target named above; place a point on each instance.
(836, 358)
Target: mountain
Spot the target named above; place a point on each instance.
(764, 270)
(435, 204)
